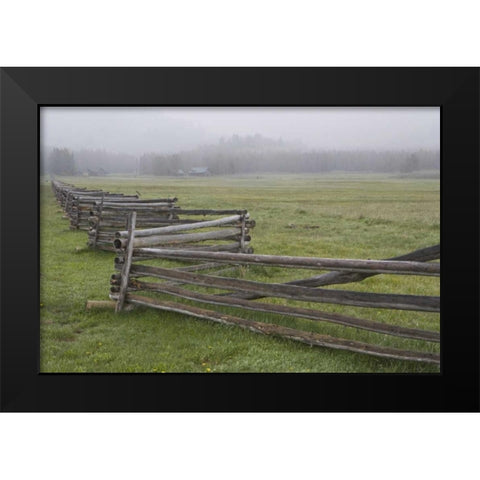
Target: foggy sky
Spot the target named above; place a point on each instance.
(137, 130)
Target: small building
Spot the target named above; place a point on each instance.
(200, 171)
(99, 173)
(180, 173)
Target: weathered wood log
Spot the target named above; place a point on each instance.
(335, 278)
(184, 211)
(293, 292)
(116, 214)
(132, 287)
(115, 281)
(181, 228)
(127, 264)
(309, 314)
(310, 338)
(190, 268)
(152, 209)
(161, 218)
(119, 222)
(103, 305)
(95, 238)
(92, 195)
(230, 233)
(133, 199)
(202, 266)
(226, 247)
(242, 235)
(108, 205)
(364, 266)
(229, 247)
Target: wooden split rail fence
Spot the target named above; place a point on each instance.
(215, 242)
(135, 246)
(108, 217)
(104, 226)
(102, 213)
(77, 202)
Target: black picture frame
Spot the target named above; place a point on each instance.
(25, 90)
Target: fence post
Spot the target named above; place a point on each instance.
(127, 263)
(99, 220)
(67, 202)
(242, 237)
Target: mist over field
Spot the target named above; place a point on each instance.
(232, 140)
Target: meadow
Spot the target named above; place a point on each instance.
(335, 215)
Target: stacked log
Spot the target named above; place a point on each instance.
(77, 202)
(81, 205)
(108, 230)
(64, 193)
(107, 217)
(102, 213)
(230, 233)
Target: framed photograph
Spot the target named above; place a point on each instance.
(239, 239)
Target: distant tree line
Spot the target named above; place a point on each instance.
(62, 161)
(241, 155)
(221, 163)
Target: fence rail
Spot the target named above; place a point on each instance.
(310, 338)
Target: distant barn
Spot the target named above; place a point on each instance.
(200, 171)
(99, 173)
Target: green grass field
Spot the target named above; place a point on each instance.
(338, 216)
